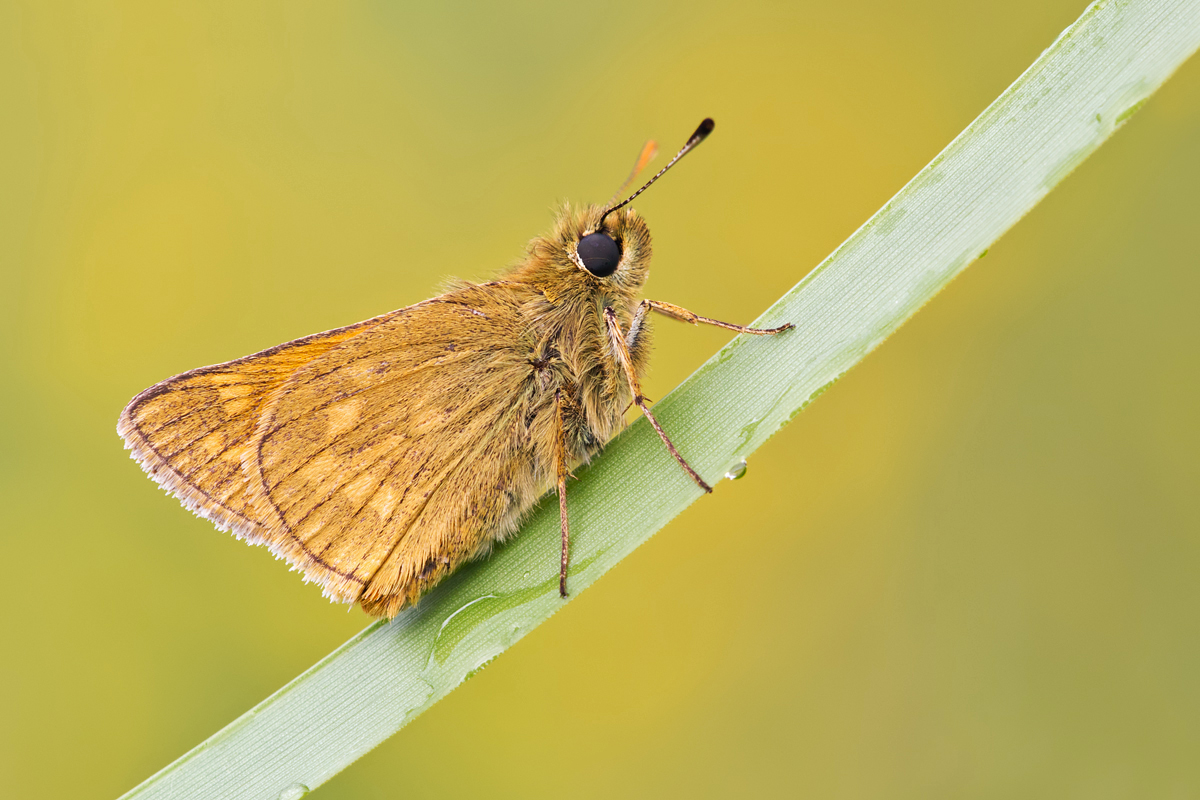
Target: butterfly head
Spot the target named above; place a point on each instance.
(601, 250)
(611, 254)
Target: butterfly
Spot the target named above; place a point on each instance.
(378, 457)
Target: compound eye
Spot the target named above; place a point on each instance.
(599, 253)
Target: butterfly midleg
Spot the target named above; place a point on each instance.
(617, 340)
(680, 313)
(560, 458)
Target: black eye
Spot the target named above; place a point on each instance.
(599, 253)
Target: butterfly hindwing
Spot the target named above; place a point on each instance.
(383, 463)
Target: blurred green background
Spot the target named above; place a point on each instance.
(974, 562)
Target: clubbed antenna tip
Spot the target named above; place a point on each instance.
(706, 127)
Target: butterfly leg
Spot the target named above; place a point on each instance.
(633, 336)
(561, 464)
(679, 313)
(617, 338)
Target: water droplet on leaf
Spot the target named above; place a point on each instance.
(737, 470)
(293, 792)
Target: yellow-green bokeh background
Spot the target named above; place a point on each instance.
(969, 570)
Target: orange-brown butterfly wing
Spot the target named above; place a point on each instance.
(385, 462)
(190, 433)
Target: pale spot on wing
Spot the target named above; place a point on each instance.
(234, 391)
(359, 489)
(343, 416)
(235, 408)
(212, 444)
(384, 501)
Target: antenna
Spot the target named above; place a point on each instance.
(703, 131)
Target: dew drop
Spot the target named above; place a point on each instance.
(737, 470)
(293, 792)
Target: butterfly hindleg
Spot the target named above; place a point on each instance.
(560, 459)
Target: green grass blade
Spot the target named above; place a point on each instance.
(1074, 96)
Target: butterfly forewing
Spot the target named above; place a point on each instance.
(192, 432)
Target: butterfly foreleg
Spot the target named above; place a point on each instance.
(636, 328)
(682, 314)
(617, 340)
